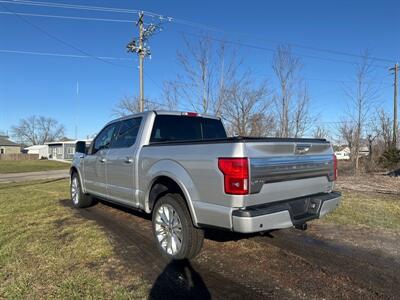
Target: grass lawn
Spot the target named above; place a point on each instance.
(46, 251)
(367, 209)
(17, 166)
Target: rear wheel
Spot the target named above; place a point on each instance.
(173, 230)
(79, 199)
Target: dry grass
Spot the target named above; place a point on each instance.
(46, 251)
(19, 166)
(372, 210)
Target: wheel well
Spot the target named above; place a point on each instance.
(162, 186)
(72, 171)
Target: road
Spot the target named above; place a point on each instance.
(287, 264)
(29, 176)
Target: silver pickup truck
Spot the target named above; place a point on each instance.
(184, 170)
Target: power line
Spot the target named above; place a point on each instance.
(104, 59)
(178, 21)
(53, 54)
(273, 50)
(61, 54)
(216, 39)
(66, 17)
(57, 38)
(70, 6)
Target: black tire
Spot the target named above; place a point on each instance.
(192, 237)
(82, 199)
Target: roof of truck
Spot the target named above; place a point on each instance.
(163, 112)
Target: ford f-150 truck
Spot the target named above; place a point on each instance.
(184, 170)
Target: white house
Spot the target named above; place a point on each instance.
(41, 150)
(343, 154)
(64, 150)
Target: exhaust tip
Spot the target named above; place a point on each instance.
(301, 226)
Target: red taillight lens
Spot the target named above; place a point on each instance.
(236, 175)
(191, 114)
(335, 172)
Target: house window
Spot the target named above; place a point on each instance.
(70, 150)
(1, 151)
(59, 150)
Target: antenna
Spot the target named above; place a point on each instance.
(76, 110)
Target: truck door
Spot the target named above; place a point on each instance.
(95, 162)
(120, 165)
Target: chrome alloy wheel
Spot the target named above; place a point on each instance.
(75, 190)
(168, 229)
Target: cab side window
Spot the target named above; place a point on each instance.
(127, 134)
(105, 137)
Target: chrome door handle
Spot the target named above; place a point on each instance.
(103, 160)
(128, 160)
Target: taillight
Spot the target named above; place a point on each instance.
(236, 175)
(335, 172)
(191, 114)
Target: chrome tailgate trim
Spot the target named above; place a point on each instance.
(277, 169)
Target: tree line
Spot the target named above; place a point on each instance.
(215, 80)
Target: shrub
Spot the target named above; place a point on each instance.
(390, 158)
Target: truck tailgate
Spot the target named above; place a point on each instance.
(283, 170)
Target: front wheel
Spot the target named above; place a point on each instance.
(173, 230)
(79, 199)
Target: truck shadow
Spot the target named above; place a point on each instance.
(216, 235)
(179, 280)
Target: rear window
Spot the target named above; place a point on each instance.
(183, 128)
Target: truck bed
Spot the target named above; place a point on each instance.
(241, 139)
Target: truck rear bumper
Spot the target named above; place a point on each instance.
(284, 214)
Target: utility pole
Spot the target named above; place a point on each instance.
(140, 47)
(395, 69)
(141, 58)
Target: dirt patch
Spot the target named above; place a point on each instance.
(378, 183)
(284, 264)
(382, 242)
(130, 233)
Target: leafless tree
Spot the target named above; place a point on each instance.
(245, 108)
(292, 101)
(37, 130)
(320, 132)
(261, 124)
(171, 94)
(208, 68)
(361, 97)
(383, 127)
(301, 118)
(131, 105)
(346, 132)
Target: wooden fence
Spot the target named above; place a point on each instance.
(19, 156)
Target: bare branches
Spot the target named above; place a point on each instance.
(292, 101)
(320, 132)
(38, 130)
(198, 69)
(361, 99)
(347, 132)
(245, 108)
(131, 105)
(383, 127)
(208, 68)
(301, 119)
(171, 94)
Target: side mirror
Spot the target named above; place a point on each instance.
(80, 147)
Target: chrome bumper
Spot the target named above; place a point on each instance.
(284, 214)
